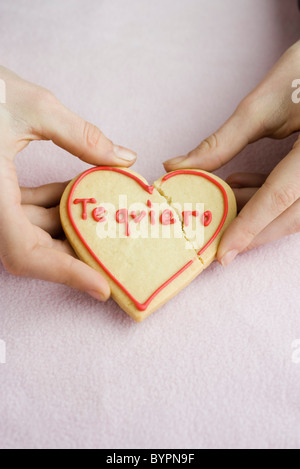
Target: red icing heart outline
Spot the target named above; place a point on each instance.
(149, 189)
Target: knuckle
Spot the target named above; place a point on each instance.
(16, 264)
(91, 135)
(253, 109)
(282, 197)
(248, 106)
(210, 143)
(45, 98)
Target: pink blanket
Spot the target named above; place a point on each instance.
(218, 366)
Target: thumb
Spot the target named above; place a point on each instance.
(243, 127)
(83, 139)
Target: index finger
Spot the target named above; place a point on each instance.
(79, 137)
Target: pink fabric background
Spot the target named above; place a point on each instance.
(213, 368)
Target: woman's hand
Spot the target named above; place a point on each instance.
(271, 204)
(29, 218)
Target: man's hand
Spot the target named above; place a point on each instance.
(29, 218)
(271, 203)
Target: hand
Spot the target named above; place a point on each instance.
(272, 203)
(29, 218)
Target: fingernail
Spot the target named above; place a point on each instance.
(97, 295)
(124, 153)
(176, 160)
(229, 257)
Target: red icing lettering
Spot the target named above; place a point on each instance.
(151, 213)
(138, 218)
(186, 217)
(122, 217)
(149, 189)
(167, 217)
(216, 183)
(152, 217)
(207, 218)
(187, 214)
(98, 214)
(84, 203)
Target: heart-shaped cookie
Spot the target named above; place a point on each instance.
(148, 241)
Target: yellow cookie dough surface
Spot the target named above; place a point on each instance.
(197, 192)
(146, 259)
(140, 264)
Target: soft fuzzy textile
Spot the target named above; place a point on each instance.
(214, 368)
